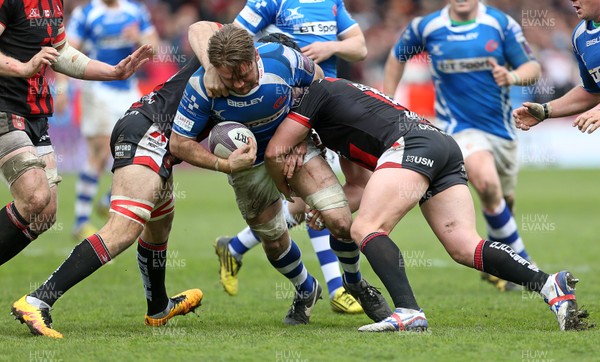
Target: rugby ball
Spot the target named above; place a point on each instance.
(226, 137)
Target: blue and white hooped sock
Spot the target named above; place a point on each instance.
(290, 265)
(348, 255)
(86, 189)
(327, 259)
(502, 227)
(242, 242)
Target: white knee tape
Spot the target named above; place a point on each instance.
(134, 209)
(53, 177)
(272, 229)
(162, 210)
(18, 164)
(331, 197)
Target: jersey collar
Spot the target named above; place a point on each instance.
(445, 14)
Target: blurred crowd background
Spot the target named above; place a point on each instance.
(547, 25)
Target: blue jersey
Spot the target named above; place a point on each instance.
(586, 46)
(304, 21)
(98, 28)
(466, 94)
(262, 109)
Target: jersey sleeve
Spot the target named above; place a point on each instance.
(343, 18)
(193, 111)
(257, 15)
(516, 49)
(410, 43)
(587, 80)
(303, 68)
(76, 27)
(311, 102)
(5, 13)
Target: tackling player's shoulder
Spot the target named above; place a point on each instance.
(282, 59)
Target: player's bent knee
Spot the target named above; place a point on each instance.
(463, 257)
(136, 210)
(339, 225)
(37, 202)
(359, 230)
(272, 229)
(18, 164)
(163, 210)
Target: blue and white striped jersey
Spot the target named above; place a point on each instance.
(262, 109)
(466, 94)
(305, 21)
(99, 28)
(586, 46)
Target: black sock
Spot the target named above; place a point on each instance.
(85, 259)
(152, 260)
(502, 261)
(15, 234)
(387, 262)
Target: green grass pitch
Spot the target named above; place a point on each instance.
(102, 317)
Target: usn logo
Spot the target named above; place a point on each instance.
(419, 160)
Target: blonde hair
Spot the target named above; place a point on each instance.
(231, 47)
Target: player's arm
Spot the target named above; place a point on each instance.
(526, 74)
(75, 64)
(579, 99)
(11, 67)
(198, 34)
(289, 134)
(576, 101)
(351, 46)
(408, 45)
(518, 54)
(190, 151)
(392, 73)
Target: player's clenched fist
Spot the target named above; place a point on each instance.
(244, 157)
(46, 56)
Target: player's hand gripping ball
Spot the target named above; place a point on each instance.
(226, 137)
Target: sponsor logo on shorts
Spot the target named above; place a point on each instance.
(18, 122)
(157, 139)
(419, 160)
(122, 150)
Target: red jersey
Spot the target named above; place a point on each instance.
(29, 25)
